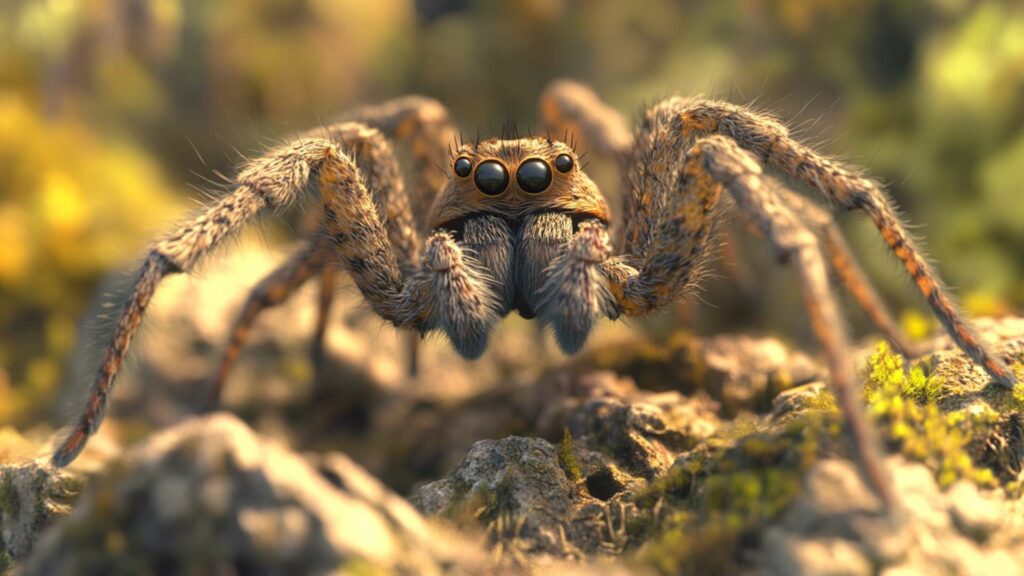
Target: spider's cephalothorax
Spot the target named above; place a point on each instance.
(517, 225)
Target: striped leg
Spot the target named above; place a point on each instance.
(376, 161)
(275, 289)
(769, 141)
(426, 125)
(845, 265)
(271, 181)
(711, 165)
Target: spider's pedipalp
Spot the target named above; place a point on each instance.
(575, 294)
(454, 294)
(769, 140)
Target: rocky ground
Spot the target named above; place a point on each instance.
(683, 455)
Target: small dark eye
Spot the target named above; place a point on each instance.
(463, 167)
(534, 176)
(491, 177)
(564, 163)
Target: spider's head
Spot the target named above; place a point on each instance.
(514, 178)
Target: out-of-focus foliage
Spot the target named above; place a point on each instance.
(927, 94)
(74, 206)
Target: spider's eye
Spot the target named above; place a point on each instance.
(491, 177)
(534, 176)
(463, 167)
(564, 163)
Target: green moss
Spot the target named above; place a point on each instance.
(567, 458)
(903, 402)
(676, 364)
(1016, 401)
(9, 501)
(717, 498)
(887, 376)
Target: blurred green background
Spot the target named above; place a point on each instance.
(113, 112)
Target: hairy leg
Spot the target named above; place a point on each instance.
(328, 279)
(709, 166)
(426, 125)
(572, 110)
(271, 181)
(276, 288)
(376, 162)
(674, 205)
(769, 140)
(571, 107)
(846, 267)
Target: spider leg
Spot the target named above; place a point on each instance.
(846, 267)
(769, 140)
(276, 288)
(274, 180)
(328, 279)
(571, 110)
(567, 106)
(426, 124)
(376, 161)
(715, 163)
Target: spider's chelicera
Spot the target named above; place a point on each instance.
(517, 225)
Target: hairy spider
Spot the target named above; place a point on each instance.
(517, 225)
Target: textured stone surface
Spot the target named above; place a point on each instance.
(31, 497)
(836, 527)
(211, 495)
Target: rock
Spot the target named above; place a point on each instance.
(32, 496)
(515, 487)
(740, 372)
(937, 532)
(798, 399)
(789, 555)
(974, 515)
(745, 372)
(210, 493)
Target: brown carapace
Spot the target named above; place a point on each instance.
(516, 225)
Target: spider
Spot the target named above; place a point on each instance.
(517, 225)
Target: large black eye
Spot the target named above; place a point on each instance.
(564, 163)
(534, 176)
(463, 167)
(491, 177)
